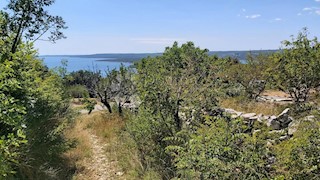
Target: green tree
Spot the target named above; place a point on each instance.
(32, 106)
(175, 90)
(297, 66)
(252, 75)
(31, 20)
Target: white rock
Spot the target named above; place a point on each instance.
(309, 118)
(248, 115)
(230, 111)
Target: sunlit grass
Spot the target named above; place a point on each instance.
(250, 106)
(118, 146)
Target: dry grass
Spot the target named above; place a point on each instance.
(247, 106)
(82, 150)
(275, 93)
(119, 148)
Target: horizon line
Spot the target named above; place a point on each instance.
(137, 53)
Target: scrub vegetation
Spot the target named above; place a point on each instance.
(163, 118)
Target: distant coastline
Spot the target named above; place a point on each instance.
(132, 57)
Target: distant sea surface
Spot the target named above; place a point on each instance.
(110, 61)
(75, 63)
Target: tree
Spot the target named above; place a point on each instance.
(32, 106)
(125, 87)
(32, 99)
(297, 66)
(84, 78)
(117, 86)
(30, 19)
(170, 80)
(252, 75)
(175, 90)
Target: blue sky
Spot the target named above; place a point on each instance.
(133, 26)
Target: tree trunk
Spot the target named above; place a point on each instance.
(120, 108)
(106, 103)
(16, 40)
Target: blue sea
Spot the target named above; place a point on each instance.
(83, 63)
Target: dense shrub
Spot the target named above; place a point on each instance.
(78, 91)
(33, 108)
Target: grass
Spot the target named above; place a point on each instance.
(250, 106)
(81, 151)
(119, 147)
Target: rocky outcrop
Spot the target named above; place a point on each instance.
(274, 99)
(278, 122)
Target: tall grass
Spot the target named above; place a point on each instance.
(119, 148)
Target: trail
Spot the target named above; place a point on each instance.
(98, 164)
(94, 161)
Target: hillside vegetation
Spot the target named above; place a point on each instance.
(169, 117)
(175, 120)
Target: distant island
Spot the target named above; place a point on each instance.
(131, 57)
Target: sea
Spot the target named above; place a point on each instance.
(105, 62)
(75, 63)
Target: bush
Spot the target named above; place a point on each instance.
(78, 91)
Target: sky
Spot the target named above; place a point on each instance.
(148, 26)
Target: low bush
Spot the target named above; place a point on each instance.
(78, 91)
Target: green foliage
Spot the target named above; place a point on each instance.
(224, 86)
(175, 89)
(89, 104)
(297, 67)
(166, 83)
(298, 158)
(29, 19)
(84, 78)
(252, 76)
(78, 91)
(148, 131)
(220, 149)
(33, 107)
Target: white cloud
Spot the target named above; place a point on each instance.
(311, 10)
(157, 40)
(244, 10)
(254, 16)
(317, 0)
(276, 20)
(307, 9)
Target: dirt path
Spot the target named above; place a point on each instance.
(98, 165)
(97, 107)
(92, 156)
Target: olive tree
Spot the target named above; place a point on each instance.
(116, 86)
